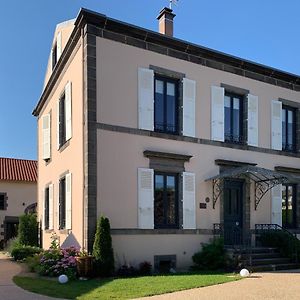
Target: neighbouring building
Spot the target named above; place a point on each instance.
(172, 141)
(18, 194)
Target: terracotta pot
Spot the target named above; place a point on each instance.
(84, 265)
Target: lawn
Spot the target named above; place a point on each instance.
(126, 288)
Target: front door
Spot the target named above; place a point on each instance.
(233, 212)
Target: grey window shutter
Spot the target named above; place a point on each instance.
(189, 102)
(276, 125)
(58, 45)
(69, 201)
(189, 201)
(252, 120)
(277, 205)
(68, 110)
(146, 99)
(145, 198)
(46, 136)
(217, 113)
(51, 205)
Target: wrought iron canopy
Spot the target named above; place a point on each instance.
(264, 180)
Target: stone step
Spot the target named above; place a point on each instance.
(269, 261)
(273, 267)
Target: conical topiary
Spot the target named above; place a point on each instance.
(102, 248)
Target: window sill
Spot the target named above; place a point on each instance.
(49, 230)
(64, 146)
(64, 231)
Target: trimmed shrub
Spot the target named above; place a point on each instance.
(28, 230)
(211, 257)
(21, 252)
(102, 248)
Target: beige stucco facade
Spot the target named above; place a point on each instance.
(70, 157)
(18, 196)
(119, 146)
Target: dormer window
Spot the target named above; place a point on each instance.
(54, 56)
(56, 51)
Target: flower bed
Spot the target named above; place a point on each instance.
(55, 262)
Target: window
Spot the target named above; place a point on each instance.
(166, 105)
(46, 208)
(62, 203)
(166, 200)
(288, 129)
(54, 56)
(62, 118)
(289, 206)
(2, 201)
(233, 115)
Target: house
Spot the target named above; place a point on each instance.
(18, 193)
(172, 141)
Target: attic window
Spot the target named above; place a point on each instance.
(54, 56)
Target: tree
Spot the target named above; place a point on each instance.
(102, 248)
(28, 230)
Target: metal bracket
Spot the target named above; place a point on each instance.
(217, 190)
(262, 187)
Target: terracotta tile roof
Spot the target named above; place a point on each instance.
(12, 169)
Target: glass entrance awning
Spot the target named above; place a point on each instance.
(263, 179)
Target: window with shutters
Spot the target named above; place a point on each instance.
(62, 120)
(62, 203)
(233, 118)
(3, 201)
(166, 105)
(288, 128)
(289, 200)
(166, 200)
(46, 208)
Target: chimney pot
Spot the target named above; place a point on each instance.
(165, 19)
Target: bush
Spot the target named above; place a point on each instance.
(55, 262)
(28, 230)
(127, 271)
(11, 244)
(145, 268)
(33, 262)
(21, 252)
(211, 257)
(102, 248)
(286, 244)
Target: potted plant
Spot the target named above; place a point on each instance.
(84, 263)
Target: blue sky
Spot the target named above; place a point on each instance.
(265, 31)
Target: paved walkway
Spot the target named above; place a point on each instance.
(8, 290)
(283, 285)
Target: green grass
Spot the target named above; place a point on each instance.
(121, 288)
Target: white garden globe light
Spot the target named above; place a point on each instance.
(63, 279)
(244, 273)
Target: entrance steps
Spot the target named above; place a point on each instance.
(261, 259)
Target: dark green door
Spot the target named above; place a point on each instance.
(233, 212)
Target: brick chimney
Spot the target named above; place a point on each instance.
(165, 19)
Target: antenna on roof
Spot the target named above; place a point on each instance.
(173, 2)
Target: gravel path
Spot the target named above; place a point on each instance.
(8, 290)
(283, 285)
